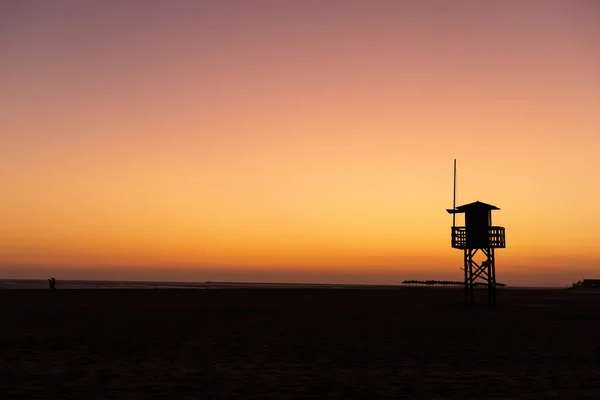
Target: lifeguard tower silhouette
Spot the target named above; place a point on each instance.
(478, 234)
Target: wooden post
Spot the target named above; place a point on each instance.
(471, 280)
(466, 268)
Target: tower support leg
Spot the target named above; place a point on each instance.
(469, 276)
(466, 269)
(490, 275)
(471, 280)
(493, 276)
(473, 272)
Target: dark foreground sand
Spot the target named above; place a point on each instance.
(297, 343)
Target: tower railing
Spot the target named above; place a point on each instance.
(496, 237)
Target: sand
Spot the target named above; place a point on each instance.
(298, 343)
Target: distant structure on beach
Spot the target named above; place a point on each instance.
(478, 234)
(591, 283)
(588, 284)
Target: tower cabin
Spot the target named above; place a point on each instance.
(478, 231)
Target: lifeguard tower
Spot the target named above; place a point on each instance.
(478, 234)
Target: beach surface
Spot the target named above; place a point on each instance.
(298, 343)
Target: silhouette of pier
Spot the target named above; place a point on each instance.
(444, 284)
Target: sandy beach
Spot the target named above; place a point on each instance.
(298, 343)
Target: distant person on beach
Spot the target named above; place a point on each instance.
(52, 283)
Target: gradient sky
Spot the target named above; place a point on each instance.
(296, 140)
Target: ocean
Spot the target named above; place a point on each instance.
(99, 284)
(83, 284)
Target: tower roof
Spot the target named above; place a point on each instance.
(478, 205)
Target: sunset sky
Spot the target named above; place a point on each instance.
(303, 140)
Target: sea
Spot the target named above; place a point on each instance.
(81, 284)
(94, 284)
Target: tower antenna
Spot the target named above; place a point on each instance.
(454, 198)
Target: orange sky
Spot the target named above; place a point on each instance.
(301, 140)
